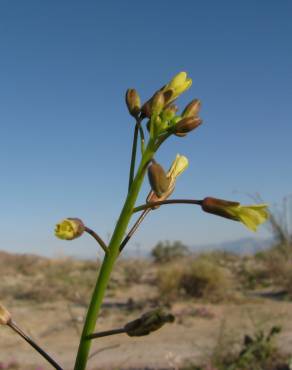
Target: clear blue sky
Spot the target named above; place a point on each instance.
(66, 135)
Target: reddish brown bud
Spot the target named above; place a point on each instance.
(192, 109)
(133, 102)
(186, 125)
(158, 180)
(219, 207)
(146, 109)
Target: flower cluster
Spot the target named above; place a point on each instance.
(163, 118)
(162, 113)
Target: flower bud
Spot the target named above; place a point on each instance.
(148, 322)
(158, 180)
(146, 109)
(192, 109)
(133, 102)
(157, 103)
(176, 86)
(69, 229)
(179, 81)
(169, 112)
(186, 125)
(178, 166)
(5, 315)
(218, 207)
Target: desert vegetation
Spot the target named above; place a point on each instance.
(232, 311)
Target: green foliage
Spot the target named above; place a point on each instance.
(258, 352)
(166, 251)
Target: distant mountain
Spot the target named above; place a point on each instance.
(239, 246)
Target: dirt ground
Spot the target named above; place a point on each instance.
(32, 289)
(192, 336)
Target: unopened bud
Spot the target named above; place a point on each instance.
(157, 103)
(69, 229)
(192, 109)
(186, 125)
(133, 102)
(159, 182)
(219, 207)
(149, 322)
(169, 112)
(146, 109)
(5, 316)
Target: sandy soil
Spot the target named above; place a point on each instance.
(193, 336)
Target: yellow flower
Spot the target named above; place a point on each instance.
(179, 84)
(5, 315)
(178, 166)
(70, 228)
(251, 216)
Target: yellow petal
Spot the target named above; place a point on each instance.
(183, 87)
(253, 216)
(178, 166)
(70, 228)
(178, 80)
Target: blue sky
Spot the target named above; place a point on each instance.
(66, 135)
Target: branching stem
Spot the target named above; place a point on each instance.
(134, 228)
(97, 238)
(106, 333)
(151, 205)
(43, 353)
(134, 150)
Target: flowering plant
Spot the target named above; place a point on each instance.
(162, 121)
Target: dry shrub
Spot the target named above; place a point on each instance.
(199, 278)
(252, 273)
(277, 267)
(44, 280)
(134, 271)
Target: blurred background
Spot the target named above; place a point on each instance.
(65, 144)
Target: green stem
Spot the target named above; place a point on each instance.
(109, 260)
(142, 138)
(106, 333)
(97, 238)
